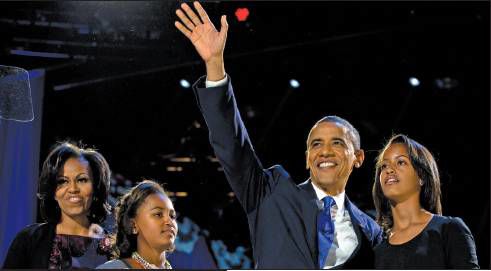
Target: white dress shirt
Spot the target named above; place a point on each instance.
(210, 84)
(345, 240)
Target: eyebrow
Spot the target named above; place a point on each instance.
(172, 211)
(315, 140)
(332, 139)
(63, 176)
(402, 155)
(339, 138)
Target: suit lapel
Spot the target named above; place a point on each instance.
(310, 208)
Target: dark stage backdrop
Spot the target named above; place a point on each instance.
(19, 167)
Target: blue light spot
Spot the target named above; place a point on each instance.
(294, 83)
(184, 83)
(413, 81)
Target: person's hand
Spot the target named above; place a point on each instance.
(209, 42)
(96, 231)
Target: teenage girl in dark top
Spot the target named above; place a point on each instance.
(406, 194)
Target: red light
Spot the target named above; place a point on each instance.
(242, 14)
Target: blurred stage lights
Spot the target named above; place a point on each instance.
(183, 159)
(177, 194)
(294, 83)
(184, 83)
(446, 83)
(174, 169)
(181, 194)
(413, 81)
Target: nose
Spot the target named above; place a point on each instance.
(169, 221)
(166, 219)
(388, 169)
(73, 188)
(326, 150)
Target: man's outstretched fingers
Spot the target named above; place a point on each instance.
(191, 14)
(183, 29)
(185, 20)
(202, 13)
(224, 27)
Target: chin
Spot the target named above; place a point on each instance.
(77, 213)
(324, 183)
(171, 247)
(167, 247)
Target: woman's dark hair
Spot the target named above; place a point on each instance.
(60, 153)
(425, 166)
(126, 209)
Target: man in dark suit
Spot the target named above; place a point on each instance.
(308, 226)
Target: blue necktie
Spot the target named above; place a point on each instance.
(325, 230)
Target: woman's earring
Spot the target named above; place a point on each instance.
(420, 182)
(135, 231)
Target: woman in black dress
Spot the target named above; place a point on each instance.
(406, 194)
(73, 191)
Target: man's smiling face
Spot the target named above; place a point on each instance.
(331, 156)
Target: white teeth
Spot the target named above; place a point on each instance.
(391, 180)
(326, 164)
(74, 199)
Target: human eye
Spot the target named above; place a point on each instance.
(83, 180)
(173, 215)
(383, 166)
(158, 214)
(338, 142)
(401, 162)
(61, 181)
(315, 144)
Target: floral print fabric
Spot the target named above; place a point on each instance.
(73, 251)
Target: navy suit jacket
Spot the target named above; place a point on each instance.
(282, 215)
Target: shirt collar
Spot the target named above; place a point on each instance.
(339, 198)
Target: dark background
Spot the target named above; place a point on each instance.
(116, 87)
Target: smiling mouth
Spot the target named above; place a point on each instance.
(74, 199)
(391, 181)
(324, 165)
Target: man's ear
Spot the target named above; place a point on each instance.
(307, 160)
(359, 158)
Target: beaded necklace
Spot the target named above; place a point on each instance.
(147, 265)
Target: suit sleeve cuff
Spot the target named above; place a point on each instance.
(210, 84)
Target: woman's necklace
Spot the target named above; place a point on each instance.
(147, 265)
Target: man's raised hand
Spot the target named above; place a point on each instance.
(209, 42)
